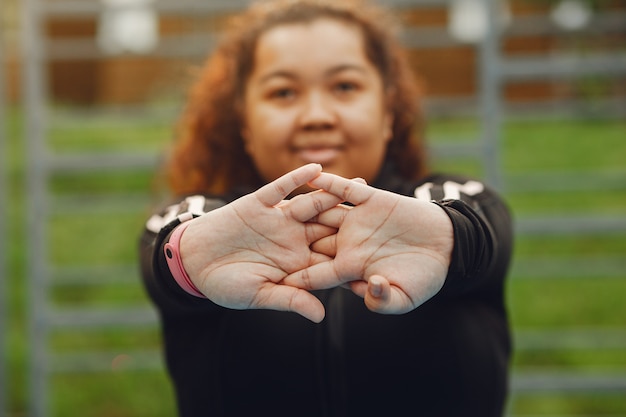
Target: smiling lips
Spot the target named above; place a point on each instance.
(318, 154)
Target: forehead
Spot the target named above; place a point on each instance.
(320, 41)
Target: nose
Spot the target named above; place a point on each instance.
(317, 112)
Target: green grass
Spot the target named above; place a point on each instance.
(559, 246)
(116, 393)
(564, 145)
(569, 303)
(67, 234)
(571, 405)
(107, 235)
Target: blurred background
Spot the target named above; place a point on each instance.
(529, 95)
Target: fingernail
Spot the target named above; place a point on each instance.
(376, 288)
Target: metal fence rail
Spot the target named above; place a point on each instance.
(498, 70)
(489, 107)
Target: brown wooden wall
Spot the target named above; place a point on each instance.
(442, 72)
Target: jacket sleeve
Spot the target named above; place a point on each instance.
(157, 279)
(483, 233)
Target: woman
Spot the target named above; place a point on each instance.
(398, 291)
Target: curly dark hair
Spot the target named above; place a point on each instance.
(209, 154)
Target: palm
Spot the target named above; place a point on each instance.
(403, 241)
(388, 237)
(261, 240)
(261, 246)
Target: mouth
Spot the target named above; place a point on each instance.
(321, 155)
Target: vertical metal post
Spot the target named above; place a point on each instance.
(4, 270)
(490, 82)
(34, 129)
(491, 94)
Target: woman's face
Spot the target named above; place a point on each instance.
(313, 96)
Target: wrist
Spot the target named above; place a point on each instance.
(175, 262)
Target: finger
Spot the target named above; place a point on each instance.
(381, 297)
(314, 232)
(358, 287)
(357, 179)
(315, 277)
(281, 203)
(306, 206)
(333, 217)
(286, 298)
(378, 293)
(351, 191)
(272, 193)
(326, 246)
(316, 258)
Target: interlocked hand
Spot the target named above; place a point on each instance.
(390, 249)
(237, 255)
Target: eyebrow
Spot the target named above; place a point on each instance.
(332, 71)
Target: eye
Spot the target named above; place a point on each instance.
(282, 93)
(345, 87)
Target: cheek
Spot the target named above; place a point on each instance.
(270, 127)
(372, 131)
(262, 135)
(368, 121)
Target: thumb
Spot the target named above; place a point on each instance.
(378, 294)
(287, 298)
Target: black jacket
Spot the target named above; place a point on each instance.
(448, 357)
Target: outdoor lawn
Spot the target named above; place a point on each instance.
(96, 218)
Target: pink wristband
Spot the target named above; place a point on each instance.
(175, 263)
